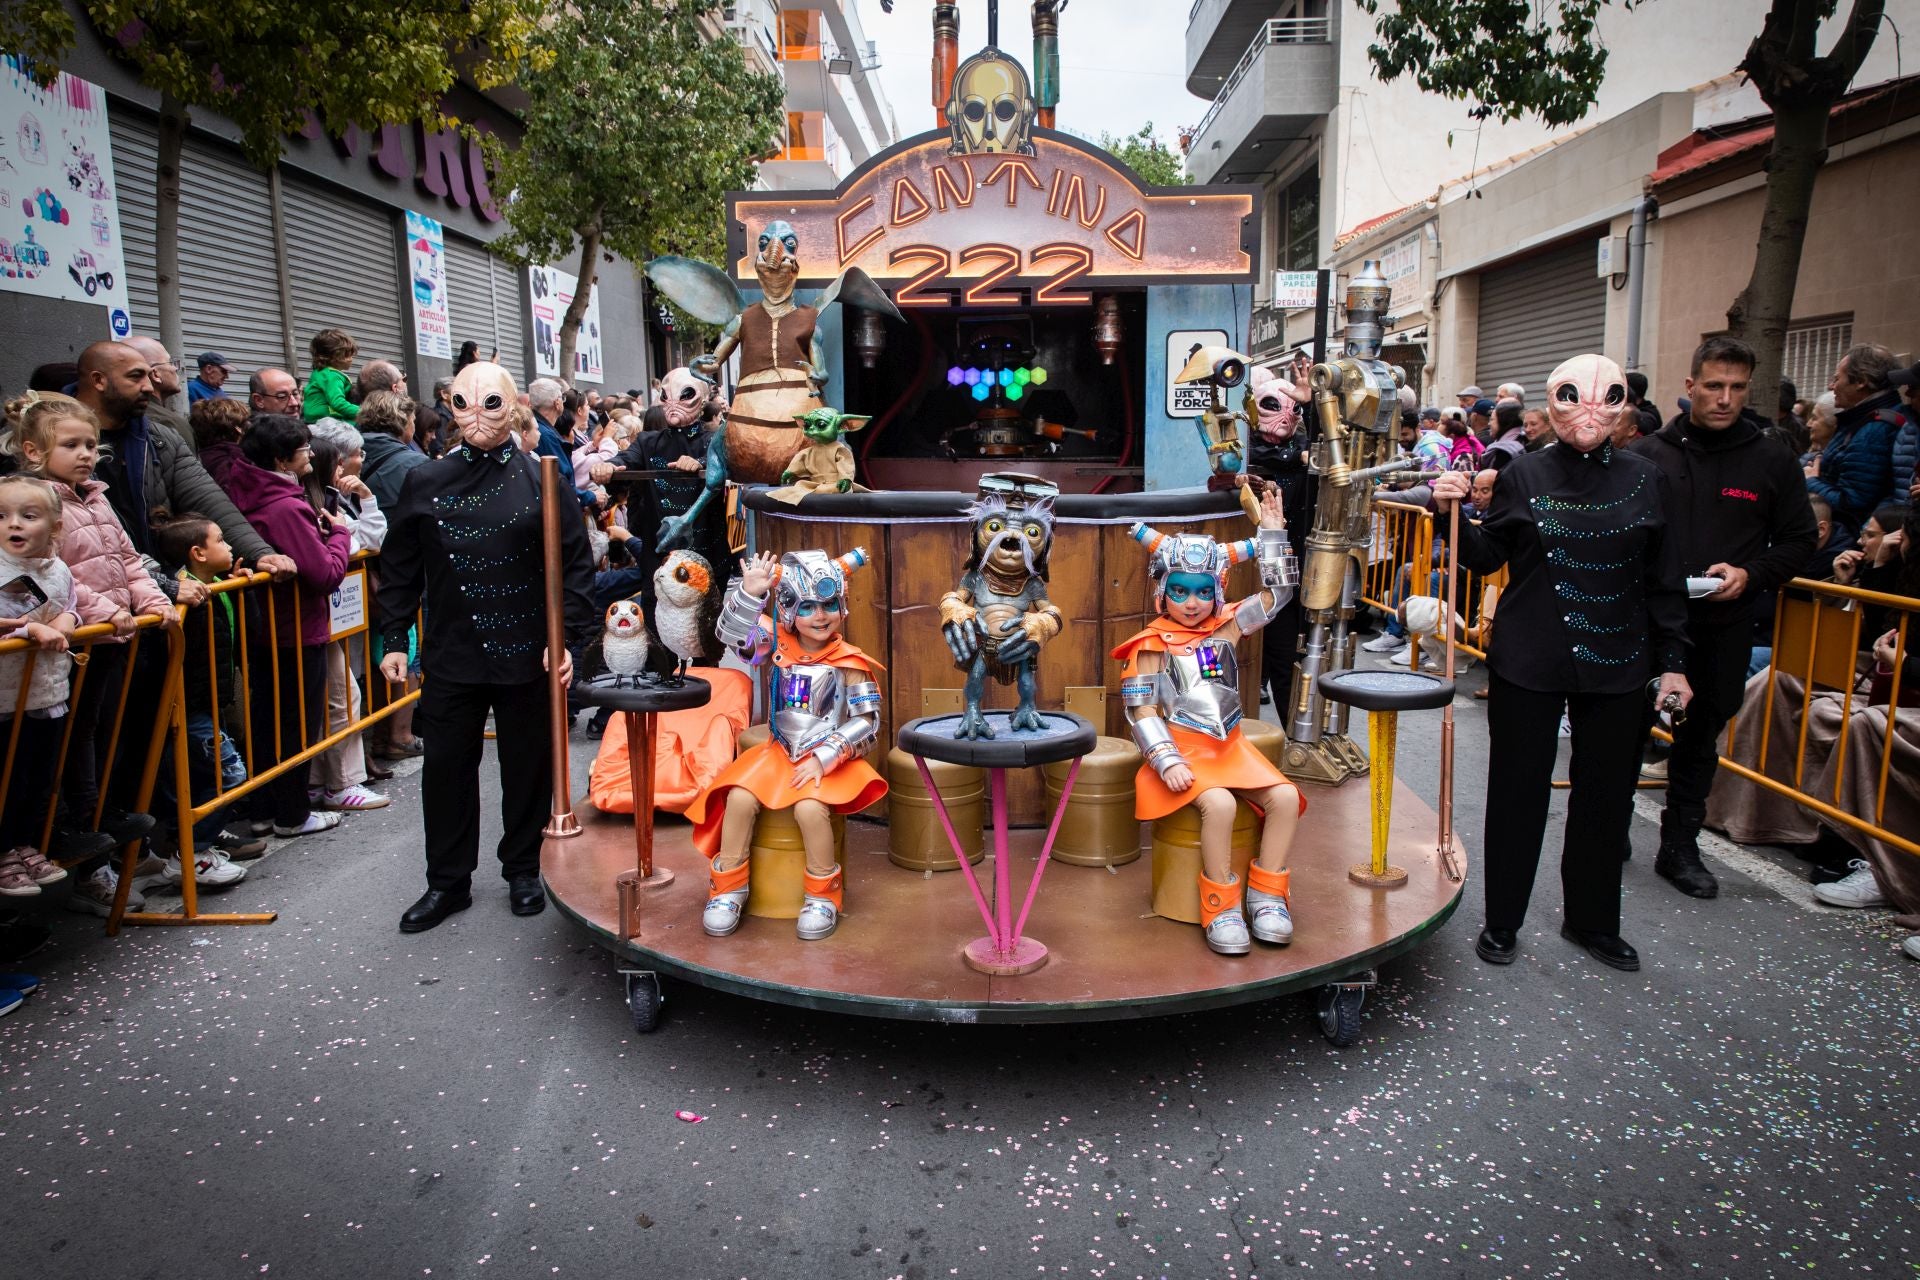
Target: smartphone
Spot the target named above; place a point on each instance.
(21, 597)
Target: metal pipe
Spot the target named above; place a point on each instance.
(1637, 274)
(1447, 859)
(563, 823)
(1046, 59)
(946, 58)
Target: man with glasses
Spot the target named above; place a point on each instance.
(1854, 473)
(164, 372)
(273, 391)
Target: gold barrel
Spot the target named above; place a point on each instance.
(915, 839)
(1176, 858)
(1099, 829)
(779, 859)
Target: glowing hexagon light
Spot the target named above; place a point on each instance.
(1015, 391)
(981, 390)
(972, 376)
(1039, 376)
(955, 376)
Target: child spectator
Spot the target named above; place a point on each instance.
(326, 394)
(192, 546)
(341, 770)
(42, 604)
(58, 439)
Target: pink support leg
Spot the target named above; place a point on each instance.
(966, 867)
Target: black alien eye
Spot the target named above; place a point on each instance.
(680, 574)
(1004, 109)
(494, 400)
(460, 401)
(1616, 394)
(976, 111)
(687, 393)
(1270, 403)
(1567, 393)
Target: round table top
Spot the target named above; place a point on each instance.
(1386, 690)
(624, 693)
(1063, 737)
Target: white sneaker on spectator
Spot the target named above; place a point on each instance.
(260, 826)
(1654, 770)
(1857, 890)
(1566, 726)
(1385, 642)
(1404, 658)
(1912, 946)
(316, 823)
(95, 894)
(211, 870)
(352, 799)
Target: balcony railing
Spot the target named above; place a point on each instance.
(1273, 31)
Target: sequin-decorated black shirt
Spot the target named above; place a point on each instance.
(1596, 598)
(465, 534)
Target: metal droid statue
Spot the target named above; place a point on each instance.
(1356, 405)
(1222, 369)
(999, 616)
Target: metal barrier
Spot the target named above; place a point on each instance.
(1402, 536)
(351, 611)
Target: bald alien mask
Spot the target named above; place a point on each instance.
(1585, 397)
(1275, 414)
(483, 400)
(683, 395)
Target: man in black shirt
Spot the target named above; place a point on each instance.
(1740, 514)
(466, 534)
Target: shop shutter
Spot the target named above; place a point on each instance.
(1535, 313)
(343, 255)
(484, 303)
(229, 292)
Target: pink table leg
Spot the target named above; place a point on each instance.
(1046, 850)
(966, 867)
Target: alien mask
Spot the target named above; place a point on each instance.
(683, 396)
(483, 401)
(990, 108)
(1585, 397)
(1275, 414)
(778, 262)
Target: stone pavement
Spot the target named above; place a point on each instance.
(326, 1097)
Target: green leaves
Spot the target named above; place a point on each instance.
(1157, 164)
(39, 33)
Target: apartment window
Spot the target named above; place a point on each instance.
(806, 136)
(1814, 347)
(800, 35)
(1299, 223)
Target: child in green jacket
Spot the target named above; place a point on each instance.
(326, 395)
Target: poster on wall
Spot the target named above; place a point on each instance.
(1189, 399)
(59, 217)
(552, 293)
(427, 266)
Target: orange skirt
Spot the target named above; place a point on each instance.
(767, 773)
(1234, 763)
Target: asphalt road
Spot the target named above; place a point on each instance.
(327, 1097)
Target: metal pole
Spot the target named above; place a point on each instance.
(1636, 277)
(1447, 859)
(563, 823)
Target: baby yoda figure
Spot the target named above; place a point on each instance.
(825, 465)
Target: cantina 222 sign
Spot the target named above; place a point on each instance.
(1003, 230)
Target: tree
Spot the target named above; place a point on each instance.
(640, 115)
(1551, 67)
(1157, 164)
(267, 64)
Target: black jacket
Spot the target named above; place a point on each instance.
(1738, 498)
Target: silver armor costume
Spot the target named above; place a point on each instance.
(814, 715)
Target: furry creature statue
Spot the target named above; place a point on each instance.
(623, 642)
(999, 616)
(683, 608)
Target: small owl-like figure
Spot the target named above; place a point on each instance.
(683, 608)
(623, 642)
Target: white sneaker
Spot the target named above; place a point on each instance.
(1385, 642)
(1912, 946)
(316, 823)
(1654, 771)
(260, 826)
(1227, 935)
(352, 799)
(1566, 726)
(1857, 890)
(95, 894)
(1404, 658)
(211, 870)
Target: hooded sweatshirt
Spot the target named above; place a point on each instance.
(1738, 498)
(275, 504)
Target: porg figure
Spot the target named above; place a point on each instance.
(623, 642)
(683, 610)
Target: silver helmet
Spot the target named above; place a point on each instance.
(1171, 553)
(808, 577)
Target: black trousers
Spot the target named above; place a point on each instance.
(1523, 727)
(1280, 656)
(92, 714)
(452, 718)
(301, 694)
(1717, 670)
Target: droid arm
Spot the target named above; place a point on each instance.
(743, 625)
(853, 736)
(1279, 575)
(1142, 695)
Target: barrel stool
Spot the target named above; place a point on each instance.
(1099, 829)
(1176, 838)
(915, 838)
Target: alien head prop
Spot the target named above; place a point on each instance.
(1012, 528)
(683, 396)
(990, 107)
(777, 262)
(827, 425)
(483, 400)
(1271, 405)
(1585, 397)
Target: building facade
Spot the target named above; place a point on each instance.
(837, 111)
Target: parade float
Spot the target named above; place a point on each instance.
(1047, 490)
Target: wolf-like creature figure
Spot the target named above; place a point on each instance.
(998, 617)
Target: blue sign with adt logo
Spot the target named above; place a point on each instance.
(122, 323)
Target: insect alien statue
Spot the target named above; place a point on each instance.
(999, 616)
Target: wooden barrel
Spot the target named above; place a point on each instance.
(915, 839)
(778, 860)
(1176, 858)
(1099, 829)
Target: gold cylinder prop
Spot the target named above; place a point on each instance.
(1099, 829)
(1176, 858)
(1270, 740)
(561, 823)
(778, 860)
(1383, 728)
(915, 838)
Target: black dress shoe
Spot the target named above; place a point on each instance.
(526, 896)
(1607, 948)
(1496, 946)
(434, 906)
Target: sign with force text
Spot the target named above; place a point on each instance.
(60, 234)
(427, 267)
(1189, 399)
(552, 291)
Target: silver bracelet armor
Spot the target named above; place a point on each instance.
(1279, 567)
(1140, 691)
(851, 738)
(1155, 740)
(1252, 614)
(738, 626)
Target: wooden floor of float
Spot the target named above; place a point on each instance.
(897, 952)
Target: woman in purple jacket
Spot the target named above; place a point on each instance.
(265, 485)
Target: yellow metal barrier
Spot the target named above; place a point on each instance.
(1402, 539)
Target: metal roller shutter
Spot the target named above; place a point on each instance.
(229, 293)
(343, 257)
(484, 304)
(1537, 312)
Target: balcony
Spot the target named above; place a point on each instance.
(1217, 34)
(1288, 79)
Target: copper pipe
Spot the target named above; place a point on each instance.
(563, 823)
(946, 58)
(1447, 859)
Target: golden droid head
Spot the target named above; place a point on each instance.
(990, 107)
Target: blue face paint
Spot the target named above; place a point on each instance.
(1182, 587)
(810, 607)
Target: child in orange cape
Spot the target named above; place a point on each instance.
(825, 717)
(1181, 690)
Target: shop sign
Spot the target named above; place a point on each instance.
(1002, 229)
(451, 165)
(1295, 290)
(62, 235)
(1400, 265)
(1267, 330)
(427, 268)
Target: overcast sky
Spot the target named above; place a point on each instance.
(1121, 61)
